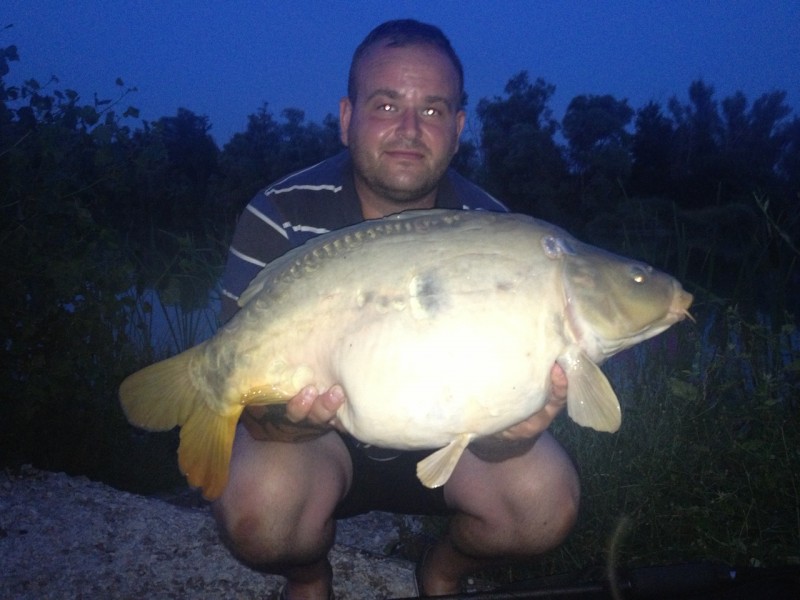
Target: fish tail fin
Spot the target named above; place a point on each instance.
(204, 453)
(435, 470)
(162, 396)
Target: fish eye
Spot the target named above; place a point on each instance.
(639, 273)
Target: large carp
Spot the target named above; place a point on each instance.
(441, 326)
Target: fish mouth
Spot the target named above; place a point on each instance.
(679, 308)
(600, 348)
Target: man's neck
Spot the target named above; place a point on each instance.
(376, 207)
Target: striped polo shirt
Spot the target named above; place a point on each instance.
(307, 203)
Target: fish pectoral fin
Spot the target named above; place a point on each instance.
(435, 470)
(591, 401)
(205, 450)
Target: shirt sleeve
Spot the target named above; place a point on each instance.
(259, 238)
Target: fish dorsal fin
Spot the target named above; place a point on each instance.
(305, 259)
(435, 470)
(265, 278)
(590, 400)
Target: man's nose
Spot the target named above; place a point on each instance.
(410, 124)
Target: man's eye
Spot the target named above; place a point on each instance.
(430, 112)
(386, 107)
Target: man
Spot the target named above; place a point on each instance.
(512, 496)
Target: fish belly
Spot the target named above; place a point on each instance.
(478, 367)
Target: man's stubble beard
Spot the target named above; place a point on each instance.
(380, 184)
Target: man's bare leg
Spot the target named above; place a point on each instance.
(508, 511)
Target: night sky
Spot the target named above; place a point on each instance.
(225, 59)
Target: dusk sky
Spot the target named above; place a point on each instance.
(225, 59)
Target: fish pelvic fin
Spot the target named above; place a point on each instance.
(435, 470)
(591, 401)
(162, 396)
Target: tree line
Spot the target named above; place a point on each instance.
(94, 206)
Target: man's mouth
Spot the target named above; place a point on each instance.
(405, 154)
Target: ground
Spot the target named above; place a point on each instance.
(68, 537)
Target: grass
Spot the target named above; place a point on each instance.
(706, 465)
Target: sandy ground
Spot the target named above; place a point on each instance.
(67, 537)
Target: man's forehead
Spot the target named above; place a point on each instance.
(382, 62)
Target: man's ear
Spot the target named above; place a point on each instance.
(461, 119)
(345, 113)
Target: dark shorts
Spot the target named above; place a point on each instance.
(386, 480)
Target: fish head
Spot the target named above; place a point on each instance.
(612, 302)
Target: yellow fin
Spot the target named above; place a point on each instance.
(591, 401)
(161, 396)
(435, 470)
(205, 451)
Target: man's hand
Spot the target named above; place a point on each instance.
(315, 408)
(540, 421)
(306, 416)
(519, 438)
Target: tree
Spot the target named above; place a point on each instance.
(696, 164)
(652, 150)
(180, 199)
(599, 146)
(523, 165)
(789, 161)
(753, 141)
(62, 315)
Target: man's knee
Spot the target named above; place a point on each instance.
(559, 496)
(243, 530)
(567, 505)
(277, 509)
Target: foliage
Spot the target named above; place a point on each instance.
(599, 147)
(72, 238)
(701, 155)
(61, 314)
(738, 252)
(706, 463)
(523, 165)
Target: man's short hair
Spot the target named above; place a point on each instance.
(406, 32)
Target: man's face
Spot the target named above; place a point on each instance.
(403, 127)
